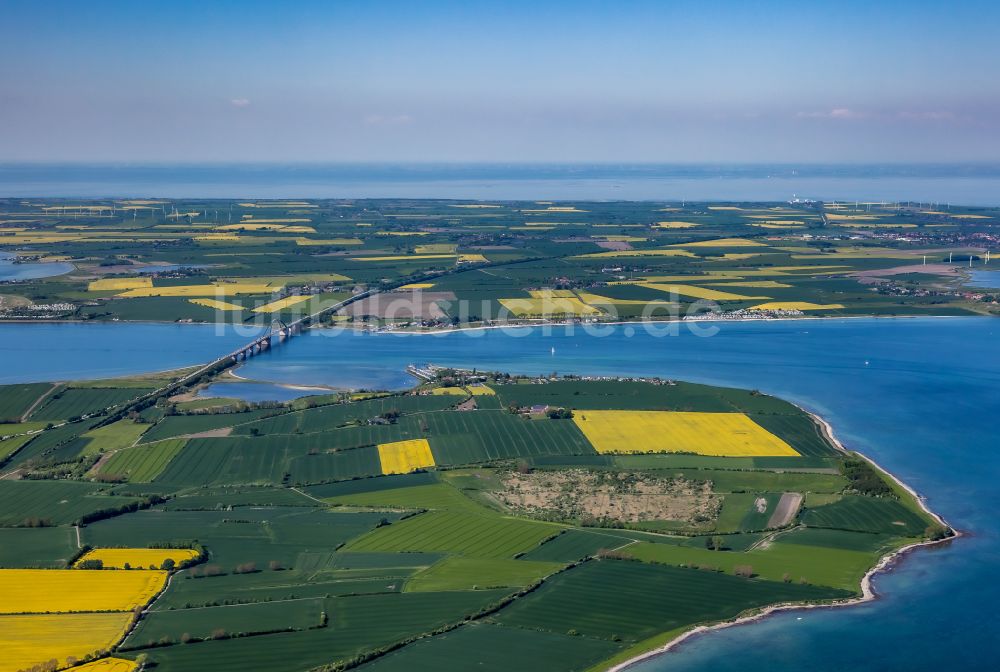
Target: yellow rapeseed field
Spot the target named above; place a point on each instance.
(329, 241)
(724, 242)
(218, 305)
(65, 590)
(250, 225)
(404, 257)
(480, 390)
(472, 258)
(281, 304)
(29, 640)
(720, 434)
(551, 293)
(106, 284)
(700, 292)
(542, 307)
(108, 665)
(214, 289)
(623, 239)
(672, 252)
(598, 300)
(137, 557)
(287, 220)
(402, 457)
(796, 305)
(736, 256)
(675, 225)
(450, 391)
(418, 285)
(760, 284)
(436, 248)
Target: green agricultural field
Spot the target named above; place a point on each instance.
(489, 556)
(237, 620)
(458, 573)
(17, 400)
(483, 536)
(44, 547)
(573, 545)
(330, 417)
(496, 648)
(11, 445)
(251, 535)
(833, 567)
(867, 514)
(356, 624)
(221, 498)
(142, 463)
(367, 486)
(75, 402)
(183, 425)
(466, 438)
(115, 436)
(54, 502)
(632, 601)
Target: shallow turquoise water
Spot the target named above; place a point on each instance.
(921, 396)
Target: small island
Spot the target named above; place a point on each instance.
(481, 518)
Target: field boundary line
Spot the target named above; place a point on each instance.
(305, 494)
(39, 400)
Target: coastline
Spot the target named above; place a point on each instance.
(539, 323)
(868, 594)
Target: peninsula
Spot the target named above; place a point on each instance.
(480, 518)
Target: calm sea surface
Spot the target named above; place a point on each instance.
(30, 271)
(921, 396)
(974, 184)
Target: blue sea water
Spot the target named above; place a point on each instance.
(969, 184)
(30, 271)
(254, 392)
(33, 352)
(921, 396)
(984, 279)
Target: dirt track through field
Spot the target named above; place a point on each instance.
(787, 507)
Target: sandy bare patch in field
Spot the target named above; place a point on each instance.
(932, 269)
(787, 507)
(210, 434)
(402, 305)
(619, 245)
(628, 497)
(12, 301)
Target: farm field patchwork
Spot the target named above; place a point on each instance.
(578, 520)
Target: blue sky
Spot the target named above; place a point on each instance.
(699, 81)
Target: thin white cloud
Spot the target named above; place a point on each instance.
(927, 115)
(240, 102)
(835, 113)
(387, 120)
